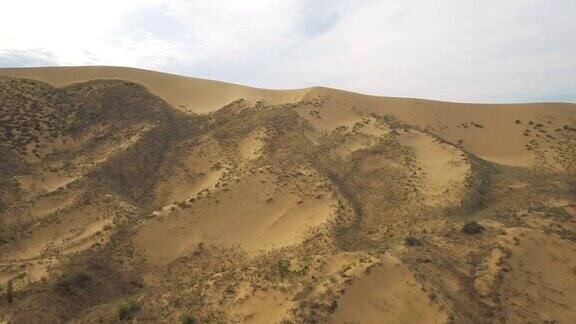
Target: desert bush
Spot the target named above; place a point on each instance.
(182, 204)
(187, 319)
(127, 309)
(412, 241)
(472, 228)
(70, 284)
(9, 291)
(283, 267)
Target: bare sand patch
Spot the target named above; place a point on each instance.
(271, 306)
(541, 271)
(388, 293)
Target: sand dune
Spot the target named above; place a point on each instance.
(134, 195)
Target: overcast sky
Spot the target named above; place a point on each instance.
(459, 50)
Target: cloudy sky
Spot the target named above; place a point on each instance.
(459, 50)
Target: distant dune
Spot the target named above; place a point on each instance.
(195, 95)
(502, 141)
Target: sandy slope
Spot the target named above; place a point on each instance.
(498, 138)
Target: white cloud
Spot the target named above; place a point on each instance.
(459, 50)
(80, 32)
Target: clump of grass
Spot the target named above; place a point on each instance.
(182, 204)
(127, 309)
(472, 228)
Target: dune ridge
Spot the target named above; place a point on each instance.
(452, 121)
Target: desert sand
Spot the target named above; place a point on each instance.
(134, 195)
